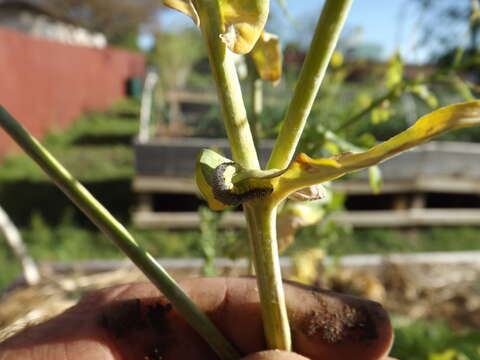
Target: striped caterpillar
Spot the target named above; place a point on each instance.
(222, 190)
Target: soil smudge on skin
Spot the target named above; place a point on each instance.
(342, 322)
(133, 319)
(123, 318)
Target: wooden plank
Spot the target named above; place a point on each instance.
(164, 184)
(409, 218)
(182, 220)
(184, 185)
(383, 218)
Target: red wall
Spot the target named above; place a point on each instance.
(46, 85)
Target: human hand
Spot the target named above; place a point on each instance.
(130, 322)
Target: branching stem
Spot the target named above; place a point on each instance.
(311, 76)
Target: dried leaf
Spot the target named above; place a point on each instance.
(305, 171)
(309, 193)
(267, 57)
(225, 183)
(184, 6)
(242, 20)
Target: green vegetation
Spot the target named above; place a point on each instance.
(420, 340)
(96, 147)
(343, 241)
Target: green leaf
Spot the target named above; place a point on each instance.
(424, 93)
(394, 74)
(242, 20)
(267, 57)
(224, 183)
(207, 162)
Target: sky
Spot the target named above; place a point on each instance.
(392, 24)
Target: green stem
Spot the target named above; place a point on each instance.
(263, 239)
(228, 86)
(119, 235)
(313, 71)
(257, 109)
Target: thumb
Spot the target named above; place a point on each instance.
(274, 355)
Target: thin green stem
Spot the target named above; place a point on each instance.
(263, 239)
(257, 109)
(311, 76)
(228, 86)
(100, 216)
(377, 102)
(256, 102)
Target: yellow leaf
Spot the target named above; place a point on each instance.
(207, 162)
(184, 6)
(229, 184)
(304, 171)
(244, 21)
(337, 59)
(224, 183)
(267, 57)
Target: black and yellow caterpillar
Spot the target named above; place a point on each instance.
(225, 192)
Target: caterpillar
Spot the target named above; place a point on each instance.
(222, 190)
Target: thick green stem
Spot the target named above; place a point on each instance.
(313, 71)
(263, 238)
(228, 86)
(100, 216)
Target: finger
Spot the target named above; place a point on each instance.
(324, 325)
(275, 355)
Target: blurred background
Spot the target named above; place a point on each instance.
(121, 93)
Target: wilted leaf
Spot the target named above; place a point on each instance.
(226, 183)
(309, 193)
(267, 57)
(184, 6)
(293, 216)
(207, 162)
(242, 20)
(305, 171)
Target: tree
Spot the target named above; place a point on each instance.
(119, 20)
(445, 26)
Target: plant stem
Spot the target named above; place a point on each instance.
(378, 101)
(257, 109)
(228, 86)
(260, 218)
(100, 216)
(256, 102)
(311, 76)
(263, 239)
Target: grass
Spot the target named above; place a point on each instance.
(96, 147)
(420, 340)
